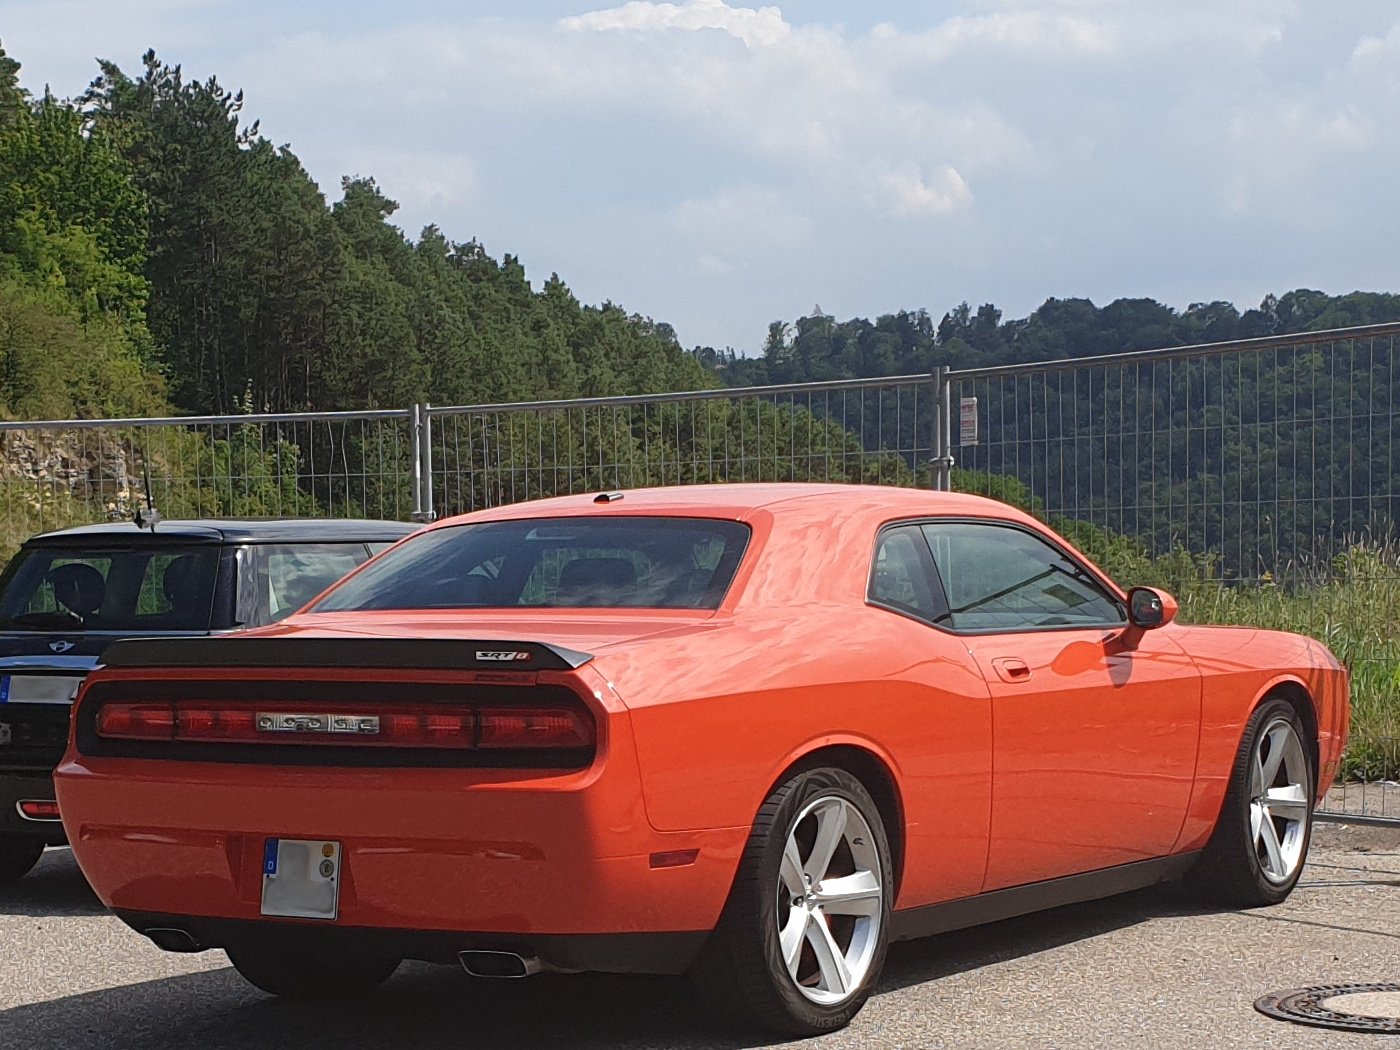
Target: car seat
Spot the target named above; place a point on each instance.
(185, 589)
(79, 588)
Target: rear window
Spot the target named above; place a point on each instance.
(131, 589)
(575, 563)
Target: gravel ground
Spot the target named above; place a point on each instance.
(1147, 969)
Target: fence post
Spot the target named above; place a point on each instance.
(942, 430)
(422, 427)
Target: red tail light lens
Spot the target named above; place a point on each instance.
(552, 727)
(215, 723)
(508, 727)
(137, 721)
(429, 729)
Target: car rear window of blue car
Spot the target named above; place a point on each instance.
(109, 589)
(579, 563)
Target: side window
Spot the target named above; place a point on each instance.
(291, 574)
(901, 576)
(999, 578)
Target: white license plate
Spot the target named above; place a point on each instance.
(38, 689)
(301, 878)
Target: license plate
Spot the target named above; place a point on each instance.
(38, 689)
(301, 878)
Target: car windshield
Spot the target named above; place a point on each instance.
(135, 589)
(653, 563)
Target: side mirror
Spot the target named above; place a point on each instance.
(1149, 608)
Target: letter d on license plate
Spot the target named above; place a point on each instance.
(301, 878)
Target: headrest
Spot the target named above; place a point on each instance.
(78, 587)
(595, 574)
(183, 583)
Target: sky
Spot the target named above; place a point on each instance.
(719, 166)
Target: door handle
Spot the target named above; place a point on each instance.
(1011, 669)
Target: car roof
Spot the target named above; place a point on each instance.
(233, 530)
(739, 500)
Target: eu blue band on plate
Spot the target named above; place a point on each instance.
(4, 689)
(270, 857)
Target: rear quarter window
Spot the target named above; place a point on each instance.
(291, 574)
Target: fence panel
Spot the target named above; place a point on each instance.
(1256, 480)
(60, 473)
(869, 432)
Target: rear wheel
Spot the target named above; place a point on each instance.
(18, 855)
(310, 975)
(802, 939)
(1260, 844)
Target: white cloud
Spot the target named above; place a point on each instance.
(756, 28)
(1039, 33)
(908, 195)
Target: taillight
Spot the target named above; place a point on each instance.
(136, 721)
(524, 727)
(508, 727)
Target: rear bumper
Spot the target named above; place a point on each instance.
(434, 861)
(15, 786)
(656, 952)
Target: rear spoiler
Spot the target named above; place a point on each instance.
(387, 653)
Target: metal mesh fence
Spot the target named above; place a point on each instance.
(57, 474)
(1255, 480)
(872, 431)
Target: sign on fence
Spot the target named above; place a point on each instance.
(967, 431)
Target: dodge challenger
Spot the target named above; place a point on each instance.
(752, 733)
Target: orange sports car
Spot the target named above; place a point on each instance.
(750, 732)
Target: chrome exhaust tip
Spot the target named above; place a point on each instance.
(503, 965)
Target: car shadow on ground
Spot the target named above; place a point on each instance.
(429, 1007)
(55, 887)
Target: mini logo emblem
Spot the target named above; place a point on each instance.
(61, 647)
(502, 657)
(302, 723)
(5, 734)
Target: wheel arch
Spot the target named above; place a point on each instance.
(875, 772)
(1298, 695)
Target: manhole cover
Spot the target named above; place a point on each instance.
(1342, 1007)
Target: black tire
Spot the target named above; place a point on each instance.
(18, 855)
(309, 975)
(741, 974)
(1230, 871)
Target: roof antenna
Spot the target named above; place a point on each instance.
(147, 517)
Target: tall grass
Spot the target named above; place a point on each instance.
(1350, 602)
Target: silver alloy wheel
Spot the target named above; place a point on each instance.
(1279, 807)
(830, 900)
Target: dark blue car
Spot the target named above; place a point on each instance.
(67, 595)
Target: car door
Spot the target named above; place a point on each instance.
(1093, 739)
(946, 754)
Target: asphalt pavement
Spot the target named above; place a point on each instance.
(1149, 969)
